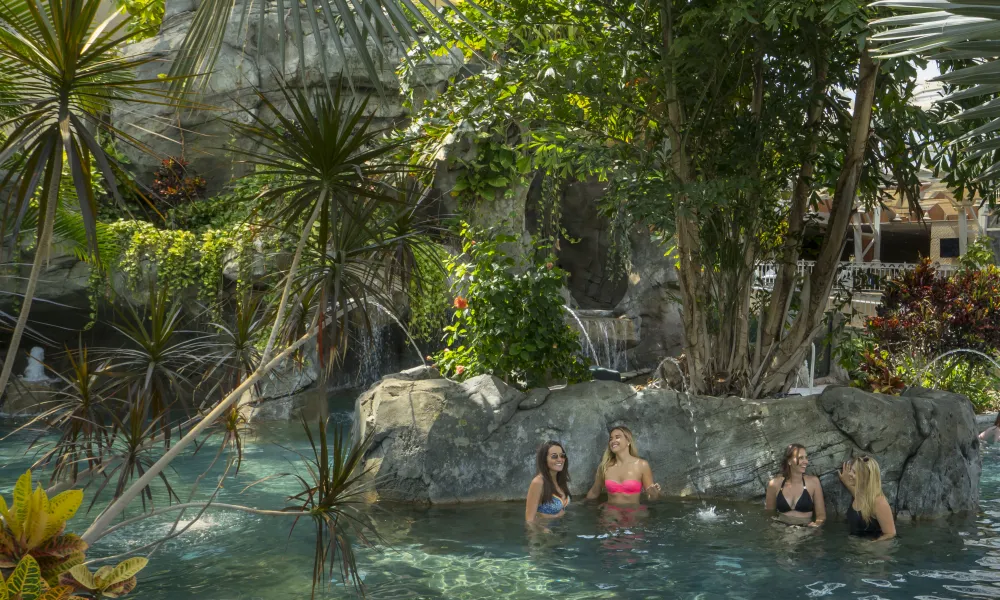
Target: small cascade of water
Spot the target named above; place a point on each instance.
(610, 335)
(413, 343)
(583, 330)
(373, 346)
(689, 406)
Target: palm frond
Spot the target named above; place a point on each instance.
(377, 33)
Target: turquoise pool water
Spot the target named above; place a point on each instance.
(673, 550)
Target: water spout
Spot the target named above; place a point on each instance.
(950, 352)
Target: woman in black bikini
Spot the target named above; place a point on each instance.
(797, 497)
(869, 514)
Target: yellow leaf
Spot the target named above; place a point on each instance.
(3, 510)
(21, 503)
(61, 592)
(126, 570)
(37, 519)
(61, 509)
(83, 576)
(101, 576)
(3, 588)
(26, 580)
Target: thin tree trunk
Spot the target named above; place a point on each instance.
(784, 283)
(697, 344)
(792, 350)
(44, 242)
(282, 305)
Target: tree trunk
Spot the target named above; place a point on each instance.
(784, 283)
(43, 244)
(792, 350)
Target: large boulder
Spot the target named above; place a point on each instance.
(440, 441)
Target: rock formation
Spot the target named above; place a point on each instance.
(243, 66)
(439, 441)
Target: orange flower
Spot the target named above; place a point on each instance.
(459, 370)
(460, 303)
(548, 266)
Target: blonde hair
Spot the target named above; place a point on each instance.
(867, 486)
(609, 460)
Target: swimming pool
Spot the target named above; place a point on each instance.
(674, 549)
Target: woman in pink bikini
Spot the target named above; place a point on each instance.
(622, 473)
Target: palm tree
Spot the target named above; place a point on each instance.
(966, 34)
(333, 188)
(66, 68)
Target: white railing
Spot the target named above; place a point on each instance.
(850, 275)
(865, 282)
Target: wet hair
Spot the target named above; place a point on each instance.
(996, 423)
(562, 477)
(867, 485)
(609, 460)
(791, 451)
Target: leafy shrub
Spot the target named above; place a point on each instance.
(924, 315)
(175, 185)
(509, 319)
(47, 562)
(429, 297)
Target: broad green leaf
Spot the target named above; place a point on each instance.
(26, 579)
(126, 570)
(83, 576)
(61, 509)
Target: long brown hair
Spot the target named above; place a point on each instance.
(792, 451)
(996, 423)
(562, 477)
(609, 460)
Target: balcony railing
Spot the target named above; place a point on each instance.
(864, 282)
(860, 277)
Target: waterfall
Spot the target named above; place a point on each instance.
(373, 349)
(583, 330)
(606, 337)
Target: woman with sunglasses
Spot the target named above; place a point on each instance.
(869, 514)
(548, 494)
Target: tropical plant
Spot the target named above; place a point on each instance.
(108, 581)
(34, 525)
(67, 67)
(26, 583)
(175, 185)
(962, 37)
(509, 315)
(333, 498)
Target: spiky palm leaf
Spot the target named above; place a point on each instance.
(967, 32)
(328, 165)
(66, 68)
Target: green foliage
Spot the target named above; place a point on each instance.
(147, 15)
(182, 260)
(230, 208)
(924, 316)
(430, 297)
(509, 319)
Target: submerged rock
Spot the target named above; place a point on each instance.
(440, 441)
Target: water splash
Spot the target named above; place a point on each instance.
(950, 352)
(372, 346)
(708, 513)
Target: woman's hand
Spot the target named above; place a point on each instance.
(846, 475)
(653, 491)
(817, 523)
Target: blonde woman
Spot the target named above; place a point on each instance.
(622, 473)
(869, 514)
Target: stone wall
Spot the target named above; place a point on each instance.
(439, 441)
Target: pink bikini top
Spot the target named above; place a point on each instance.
(629, 486)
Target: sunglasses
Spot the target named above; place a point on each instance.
(555, 456)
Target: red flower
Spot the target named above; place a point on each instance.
(459, 370)
(460, 303)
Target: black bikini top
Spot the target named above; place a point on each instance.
(803, 504)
